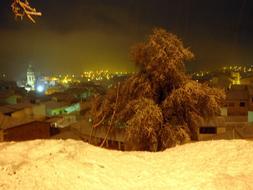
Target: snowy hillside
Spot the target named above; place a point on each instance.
(70, 164)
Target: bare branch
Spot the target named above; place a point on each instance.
(112, 118)
(99, 123)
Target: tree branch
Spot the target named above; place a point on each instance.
(21, 8)
(112, 118)
(101, 121)
(94, 127)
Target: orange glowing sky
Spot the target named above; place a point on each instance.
(74, 36)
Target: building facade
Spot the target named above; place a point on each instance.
(27, 131)
(30, 78)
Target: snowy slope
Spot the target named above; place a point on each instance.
(58, 164)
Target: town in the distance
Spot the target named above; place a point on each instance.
(58, 106)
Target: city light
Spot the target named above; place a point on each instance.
(40, 88)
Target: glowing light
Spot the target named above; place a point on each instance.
(40, 88)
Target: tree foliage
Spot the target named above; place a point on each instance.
(160, 106)
(139, 136)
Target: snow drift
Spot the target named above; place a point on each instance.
(58, 164)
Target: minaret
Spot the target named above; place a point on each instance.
(30, 77)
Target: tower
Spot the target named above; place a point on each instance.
(30, 77)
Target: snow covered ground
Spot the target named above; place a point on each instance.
(69, 164)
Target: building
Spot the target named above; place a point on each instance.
(24, 111)
(248, 80)
(221, 80)
(7, 85)
(210, 128)
(26, 131)
(225, 127)
(84, 91)
(115, 139)
(54, 108)
(10, 98)
(10, 93)
(63, 97)
(62, 121)
(30, 79)
(239, 100)
(236, 120)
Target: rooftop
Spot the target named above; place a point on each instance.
(13, 108)
(7, 122)
(55, 104)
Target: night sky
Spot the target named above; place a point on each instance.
(80, 35)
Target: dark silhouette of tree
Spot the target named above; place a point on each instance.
(160, 106)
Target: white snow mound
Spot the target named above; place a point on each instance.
(59, 164)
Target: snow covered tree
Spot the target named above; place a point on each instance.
(191, 103)
(162, 59)
(139, 136)
(22, 8)
(160, 106)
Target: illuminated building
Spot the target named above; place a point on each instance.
(237, 77)
(30, 79)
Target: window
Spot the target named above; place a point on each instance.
(207, 130)
(242, 104)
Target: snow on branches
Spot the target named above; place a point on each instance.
(139, 136)
(160, 106)
(22, 8)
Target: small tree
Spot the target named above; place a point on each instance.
(160, 106)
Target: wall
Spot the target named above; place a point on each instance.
(219, 130)
(224, 111)
(74, 108)
(39, 110)
(24, 113)
(36, 111)
(29, 131)
(236, 118)
(115, 138)
(230, 130)
(235, 109)
(12, 99)
(250, 116)
(56, 111)
(1, 136)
